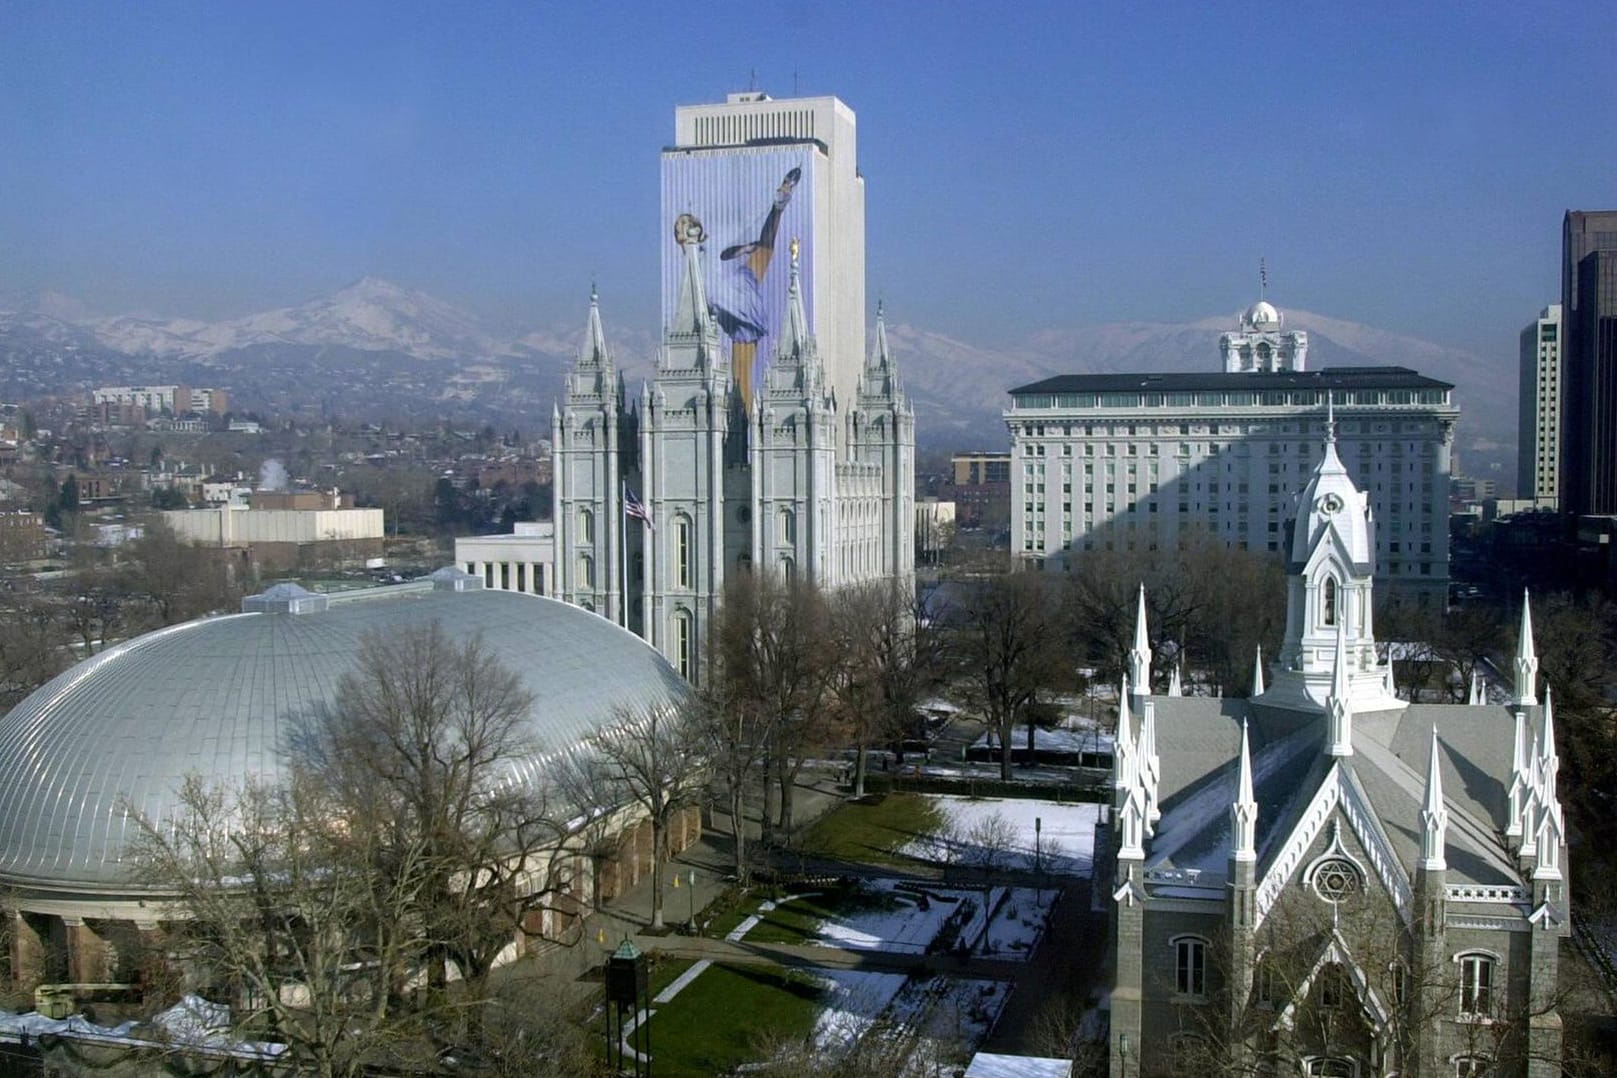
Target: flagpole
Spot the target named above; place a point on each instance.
(623, 554)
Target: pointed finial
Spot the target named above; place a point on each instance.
(795, 249)
(1257, 673)
(1244, 792)
(1434, 817)
(881, 307)
(594, 295)
(1339, 705)
(1330, 417)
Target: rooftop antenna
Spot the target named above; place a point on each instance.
(752, 81)
(1263, 278)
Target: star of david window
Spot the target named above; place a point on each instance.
(1336, 878)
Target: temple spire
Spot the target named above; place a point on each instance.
(1526, 659)
(1244, 810)
(1257, 673)
(795, 339)
(1339, 705)
(1176, 686)
(1434, 817)
(594, 352)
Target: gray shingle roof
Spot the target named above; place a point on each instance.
(1198, 740)
(219, 696)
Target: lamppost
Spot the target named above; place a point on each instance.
(691, 879)
(1038, 856)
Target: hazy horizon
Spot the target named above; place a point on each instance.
(1043, 168)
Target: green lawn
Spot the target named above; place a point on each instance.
(797, 921)
(872, 831)
(726, 1014)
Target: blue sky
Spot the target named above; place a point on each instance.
(1027, 167)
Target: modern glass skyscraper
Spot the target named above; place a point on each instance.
(1589, 358)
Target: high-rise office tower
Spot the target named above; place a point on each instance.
(756, 174)
(1589, 359)
(1538, 460)
(768, 439)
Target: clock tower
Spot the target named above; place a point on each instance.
(1330, 567)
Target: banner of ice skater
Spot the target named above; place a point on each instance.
(744, 209)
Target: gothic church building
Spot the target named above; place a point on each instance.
(1327, 880)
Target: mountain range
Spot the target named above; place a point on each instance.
(378, 349)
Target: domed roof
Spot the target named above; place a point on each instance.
(1331, 500)
(219, 696)
(1262, 313)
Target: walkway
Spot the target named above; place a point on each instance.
(1066, 961)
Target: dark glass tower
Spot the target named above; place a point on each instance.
(1589, 356)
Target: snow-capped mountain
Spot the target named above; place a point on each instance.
(371, 314)
(378, 346)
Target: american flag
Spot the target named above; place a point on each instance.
(634, 507)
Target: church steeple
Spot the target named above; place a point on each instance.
(1339, 705)
(1140, 654)
(1257, 673)
(1244, 810)
(691, 341)
(1330, 568)
(1526, 665)
(1434, 817)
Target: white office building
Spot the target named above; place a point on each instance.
(1538, 461)
(1138, 461)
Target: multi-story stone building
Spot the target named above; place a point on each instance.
(803, 466)
(1538, 459)
(1136, 461)
(1324, 879)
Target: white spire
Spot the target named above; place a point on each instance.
(1257, 673)
(1150, 764)
(1339, 705)
(1526, 659)
(1434, 818)
(795, 340)
(1244, 811)
(1140, 653)
(1125, 765)
(1175, 686)
(1388, 685)
(1477, 697)
(1521, 775)
(593, 352)
(1549, 761)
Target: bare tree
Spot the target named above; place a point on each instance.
(426, 746)
(1007, 648)
(887, 655)
(655, 760)
(767, 699)
(276, 911)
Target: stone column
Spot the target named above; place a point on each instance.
(86, 953)
(27, 951)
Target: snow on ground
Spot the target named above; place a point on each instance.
(1001, 833)
(1072, 736)
(1017, 919)
(854, 999)
(900, 924)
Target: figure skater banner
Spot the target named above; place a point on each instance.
(744, 207)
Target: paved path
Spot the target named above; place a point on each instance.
(1066, 960)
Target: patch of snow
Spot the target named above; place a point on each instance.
(855, 999)
(1062, 843)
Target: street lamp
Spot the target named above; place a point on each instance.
(1038, 857)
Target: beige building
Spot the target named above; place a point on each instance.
(523, 561)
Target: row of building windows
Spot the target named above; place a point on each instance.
(1477, 972)
(1232, 398)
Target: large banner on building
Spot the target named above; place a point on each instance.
(744, 207)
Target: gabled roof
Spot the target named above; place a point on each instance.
(1199, 747)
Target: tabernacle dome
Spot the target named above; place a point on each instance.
(219, 696)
